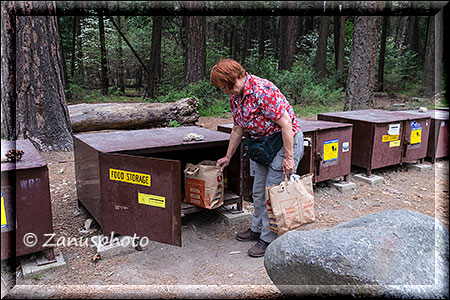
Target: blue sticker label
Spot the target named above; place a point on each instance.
(415, 125)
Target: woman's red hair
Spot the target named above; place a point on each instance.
(225, 73)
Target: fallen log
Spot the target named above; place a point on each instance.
(127, 116)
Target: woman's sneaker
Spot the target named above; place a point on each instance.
(248, 235)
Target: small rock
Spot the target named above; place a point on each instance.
(76, 212)
(423, 109)
(88, 223)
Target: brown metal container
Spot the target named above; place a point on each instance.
(246, 181)
(26, 204)
(384, 138)
(439, 133)
(319, 136)
(328, 149)
(132, 182)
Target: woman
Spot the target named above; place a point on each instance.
(259, 109)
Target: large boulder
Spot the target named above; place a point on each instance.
(393, 253)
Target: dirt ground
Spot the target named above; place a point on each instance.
(211, 263)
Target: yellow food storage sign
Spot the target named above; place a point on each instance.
(330, 150)
(129, 177)
(4, 223)
(416, 136)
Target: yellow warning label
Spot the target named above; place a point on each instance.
(394, 144)
(390, 138)
(4, 223)
(416, 136)
(130, 177)
(152, 200)
(330, 150)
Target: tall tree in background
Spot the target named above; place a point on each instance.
(339, 42)
(361, 73)
(261, 36)
(155, 58)
(384, 33)
(432, 67)
(120, 69)
(42, 114)
(104, 63)
(287, 39)
(249, 32)
(320, 63)
(195, 55)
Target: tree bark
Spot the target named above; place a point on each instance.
(8, 72)
(382, 54)
(104, 63)
(361, 74)
(42, 114)
(195, 56)
(109, 116)
(320, 64)
(155, 58)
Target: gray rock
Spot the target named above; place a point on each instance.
(393, 253)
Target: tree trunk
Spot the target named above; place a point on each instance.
(309, 24)
(287, 39)
(75, 21)
(127, 116)
(155, 59)
(361, 73)
(414, 36)
(42, 114)
(298, 32)
(80, 67)
(439, 51)
(382, 54)
(320, 64)
(261, 36)
(195, 56)
(248, 34)
(403, 34)
(121, 71)
(63, 56)
(339, 42)
(104, 64)
(427, 87)
(8, 72)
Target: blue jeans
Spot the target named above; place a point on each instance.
(266, 176)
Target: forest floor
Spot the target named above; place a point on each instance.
(211, 263)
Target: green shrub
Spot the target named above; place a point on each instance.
(75, 93)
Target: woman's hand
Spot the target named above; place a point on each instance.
(223, 162)
(288, 165)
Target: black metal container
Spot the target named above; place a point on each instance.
(132, 182)
(26, 204)
(384, 138)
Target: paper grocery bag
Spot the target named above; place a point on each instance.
(290, 204)
(204, 184)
